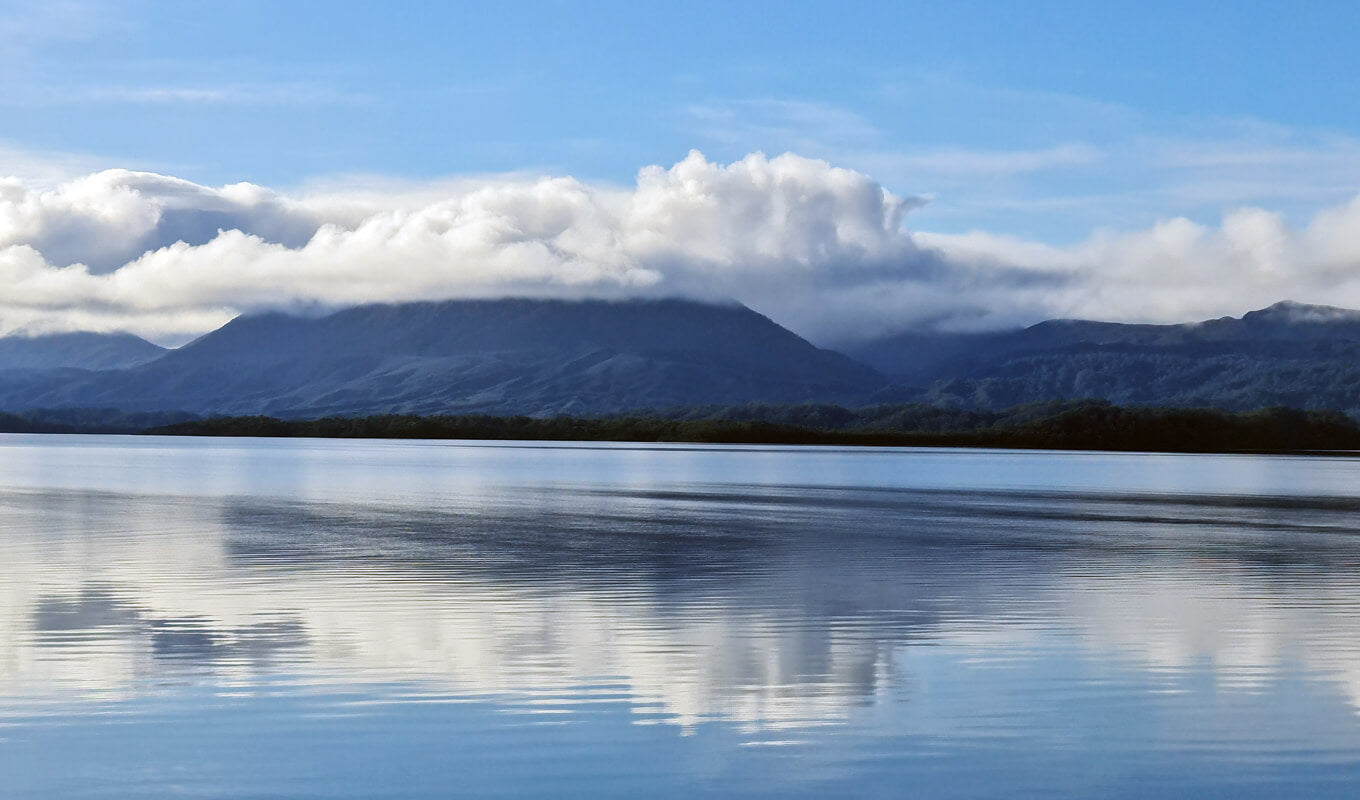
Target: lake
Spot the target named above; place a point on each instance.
(314, 618)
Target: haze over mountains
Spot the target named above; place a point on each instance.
(545, 357)
(93, 351)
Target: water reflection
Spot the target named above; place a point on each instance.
(988, 616)
(772, 610)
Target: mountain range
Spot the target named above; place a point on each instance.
(1290, 354)
(510, 356)
(548, 357)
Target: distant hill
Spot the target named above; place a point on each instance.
(491, 356)
(1290, 354)
(91, 351)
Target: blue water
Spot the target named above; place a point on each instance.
(256, 618)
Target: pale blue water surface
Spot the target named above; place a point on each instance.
(309, 618)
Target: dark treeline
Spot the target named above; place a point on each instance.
(1075, 426)
(88, 420)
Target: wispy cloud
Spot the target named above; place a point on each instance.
(46, 167)
(780, 124)
(239, 94)
(28, 24)
(802, 126)
(969, 163)
(1101, 164)
(42, 40)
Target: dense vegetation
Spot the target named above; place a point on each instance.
(1081, 425)
(1077, 426)
(88, 420)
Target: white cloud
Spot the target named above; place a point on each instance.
(818, 248)
(107, 219)
(1043, 164)
(1180, 270)
(157, 252)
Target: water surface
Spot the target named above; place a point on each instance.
(304, 618)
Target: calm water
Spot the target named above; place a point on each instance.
(236, 618)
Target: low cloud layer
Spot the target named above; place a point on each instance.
(821, 249)
(1180, 270)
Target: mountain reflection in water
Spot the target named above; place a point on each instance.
(882, 628)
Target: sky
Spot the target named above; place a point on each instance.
(847, 168)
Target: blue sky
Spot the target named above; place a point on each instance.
(1042, 120)
(1142, 161)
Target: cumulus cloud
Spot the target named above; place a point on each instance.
(165, 256)
(1181, 270)
(819, 248)
(110, 218)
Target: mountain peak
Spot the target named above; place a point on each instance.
(508, 356)
(80, 350)
(1293, 312)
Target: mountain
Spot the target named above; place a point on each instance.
(495, 356)
(1293, 354)
(91, 351)
(546, 357)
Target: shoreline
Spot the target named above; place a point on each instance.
(1082, 426)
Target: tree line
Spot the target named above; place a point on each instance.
(1070, 425)
(1074, 426)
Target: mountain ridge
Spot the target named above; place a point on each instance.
(76, 350)
(503, 356)
(1289, 353)
(590, 357)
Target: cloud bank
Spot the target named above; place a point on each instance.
(822, 249)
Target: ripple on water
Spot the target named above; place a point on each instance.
(339, 619)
